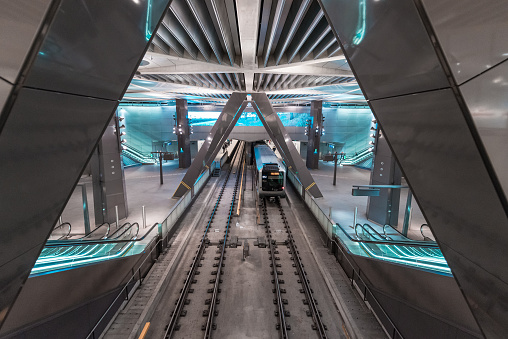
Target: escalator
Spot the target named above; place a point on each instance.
(62, 255)
(406, 282)
(137, 156)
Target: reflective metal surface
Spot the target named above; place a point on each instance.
(214, 141)
(19, 23)
(387, 46)
(434, 146)
(472, 33)
(43, 148)
(5, 89)
(93, 47)
(486, 97)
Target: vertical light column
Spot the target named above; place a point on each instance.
(384, 209)
(108, 176)
(314, 134)
(182, 130)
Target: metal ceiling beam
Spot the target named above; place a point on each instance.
(221, 22)
(248, 25)
(315, 38)
(203, 18)
(184, 16)
(176, 29)
(276, 25)
(305, 30)
(297, 13)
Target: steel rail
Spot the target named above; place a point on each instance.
(316, 316)
(283, 328)
(172, 326)
(213, 302)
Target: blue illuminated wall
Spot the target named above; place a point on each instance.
(248, 119)
(347, 128)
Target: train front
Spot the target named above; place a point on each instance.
(272, 181)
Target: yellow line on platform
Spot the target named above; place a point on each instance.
(145, 329)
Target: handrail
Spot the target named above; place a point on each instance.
(119, 229)
(128, 229)
(377, 233)
(389, 242)
(105, 236)
(56, 243)
(424, 236)
(60, 226)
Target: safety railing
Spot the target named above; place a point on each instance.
(61, 231)
(326, 223)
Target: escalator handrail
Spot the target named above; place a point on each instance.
(128, 229)
(65, 243)
(119, 229)
(83, 238)
(59, 226)
(396, 230)
(366, 231)
(377, 233)
(423, 235)
(389, 242)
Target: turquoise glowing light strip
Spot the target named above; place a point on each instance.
(148, 31)
(406, 262)
(360, 28)
(80, 262)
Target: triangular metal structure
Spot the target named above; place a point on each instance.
(223, 127)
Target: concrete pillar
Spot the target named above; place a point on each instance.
(384, 209)
(108, 176)
(315, 131)
(182, 129)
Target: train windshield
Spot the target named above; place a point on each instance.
(272, 181)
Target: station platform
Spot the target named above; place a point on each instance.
(340, 204)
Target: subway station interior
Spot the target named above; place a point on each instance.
(253, 169)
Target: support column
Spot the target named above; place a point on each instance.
(439, 94)
(108, 177)
(315, 131)
(213, 143)
(182, 130)
(283, 142)
(384, 209)
(57, 95)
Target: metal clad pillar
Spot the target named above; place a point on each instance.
(315, 131)
(283, 142)
(439, 93)
(384, 209)
(108, 177)
(63, 68)
(213, 143)
(182, 129)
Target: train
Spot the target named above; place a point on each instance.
(271, 178)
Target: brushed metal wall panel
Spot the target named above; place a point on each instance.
(19, 23)
(387, 45)
(93, 46)
(471, 33)
(487, 99)
(435, 148)
(5, 90)
(44, 147)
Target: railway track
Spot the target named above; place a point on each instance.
(219, 215)
(274, 217)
